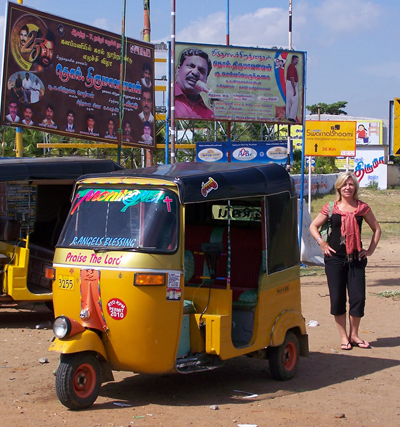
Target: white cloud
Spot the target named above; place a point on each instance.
(348, 16)
(265, 27)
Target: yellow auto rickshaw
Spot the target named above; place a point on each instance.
(176, 268)
(35, 200)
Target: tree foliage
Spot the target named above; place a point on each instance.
(337, 108)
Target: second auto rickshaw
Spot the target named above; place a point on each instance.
(35, 200)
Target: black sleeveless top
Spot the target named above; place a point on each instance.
(334, 240)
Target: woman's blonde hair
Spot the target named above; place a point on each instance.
(341, 181)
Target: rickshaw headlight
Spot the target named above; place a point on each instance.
(61, 327)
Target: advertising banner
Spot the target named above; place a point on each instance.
(63, 77)
(370, 167)
(369, 132)
(229, 83)
(243, 151)
(259, 152)
(330, 138)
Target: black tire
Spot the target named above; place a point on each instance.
(284, 360)
(78, 380)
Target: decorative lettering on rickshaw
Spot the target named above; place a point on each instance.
(127, 197)
(97, 259)
(210, 185)
(114, 242)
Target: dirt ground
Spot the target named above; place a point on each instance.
(332, 387)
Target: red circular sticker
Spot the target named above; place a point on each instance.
(116, 309)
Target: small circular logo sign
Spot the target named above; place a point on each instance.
(116, 309)
(210, 155)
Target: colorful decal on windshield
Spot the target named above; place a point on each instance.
(127, 197)
(210, 185)
(114, 242)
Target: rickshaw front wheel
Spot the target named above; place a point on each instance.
(78, 380)
(284, 360)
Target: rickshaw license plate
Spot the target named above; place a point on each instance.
(66, 282)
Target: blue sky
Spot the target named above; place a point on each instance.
(352, 45)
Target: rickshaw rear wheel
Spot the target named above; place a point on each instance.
(78, 380)
(284, 360)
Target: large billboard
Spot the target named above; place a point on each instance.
(231, 83)
(64, 77)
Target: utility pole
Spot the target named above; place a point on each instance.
(146, 38)
(121, 80)
(172, 81)
(18, 131)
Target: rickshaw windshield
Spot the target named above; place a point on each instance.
(122, 219)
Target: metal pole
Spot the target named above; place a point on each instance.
(146, 38)
(169, 97)
(303, 145)
(227, 22)
(18, 131)
(121, 84)
(290, 24)
(172, 80)
(289, 141)
(228, 124)
(146, 19)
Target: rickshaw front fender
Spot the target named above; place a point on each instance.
(289, 319)
(84, 341)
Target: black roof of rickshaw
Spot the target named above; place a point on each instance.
(51, 168)
(234, 180)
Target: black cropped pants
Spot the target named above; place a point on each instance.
(343, 275)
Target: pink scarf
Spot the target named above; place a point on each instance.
(350, 231)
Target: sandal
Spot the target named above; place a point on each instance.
(361, 344)
(346, 346)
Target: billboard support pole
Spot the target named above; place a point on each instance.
(19, 148)
(169, 96)
(146, 38)
(289, 140)
(303, 150)
(121, 84)
(228, 124)
(172, 81)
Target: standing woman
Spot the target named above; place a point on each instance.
(345, 259)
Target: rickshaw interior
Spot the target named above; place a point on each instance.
(238, 249)
(40, 214)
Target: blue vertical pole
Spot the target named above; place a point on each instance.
(303, 149)
(168, 105)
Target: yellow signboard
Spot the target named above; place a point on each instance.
(330, 138)
(396, 127)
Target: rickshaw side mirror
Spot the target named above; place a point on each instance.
(212, 251)
(9, 229)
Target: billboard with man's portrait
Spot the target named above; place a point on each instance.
(63, 77)
(230, 83)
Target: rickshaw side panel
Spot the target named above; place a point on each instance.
(149, 323)
(150, 328)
